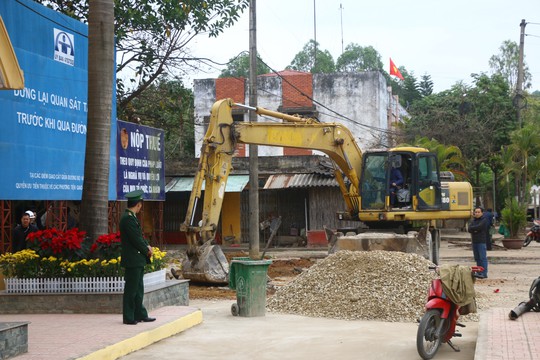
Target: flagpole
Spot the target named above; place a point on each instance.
(314, 36)
(341, 14)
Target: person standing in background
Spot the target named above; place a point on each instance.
(136, 253)
(478, 227)
(21, 231)
(489, 239)
(46, 218)
(71, 222)
(32, 217)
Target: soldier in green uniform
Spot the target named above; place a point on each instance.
(136, 252)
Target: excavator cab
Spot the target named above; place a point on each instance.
(419, 187)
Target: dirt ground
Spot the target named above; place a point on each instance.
(511, 272)
(280, 271)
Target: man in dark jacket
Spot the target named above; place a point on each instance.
(396, 182)
(478, 227)
(489, 217)
(21, 231)
(135, 254)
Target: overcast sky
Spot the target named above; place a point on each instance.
(448, 40)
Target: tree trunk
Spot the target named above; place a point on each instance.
(477, 183)
(94, 206)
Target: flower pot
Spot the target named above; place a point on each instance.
(513, 243)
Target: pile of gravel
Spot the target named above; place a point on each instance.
(374, 285)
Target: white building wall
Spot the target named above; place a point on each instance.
(360, 97)
(204, 97)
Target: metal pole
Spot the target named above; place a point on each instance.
(253, 149)
(494, 193)
(519, 84)
(341, 14)
(314, 37)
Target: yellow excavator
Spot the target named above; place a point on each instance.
(419, 200)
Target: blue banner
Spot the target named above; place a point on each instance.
(44, 126)
(140, 160)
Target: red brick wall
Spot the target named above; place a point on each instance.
(240, 150)
(233, 88)
(292, 87)
(292, 98)
(293, 151)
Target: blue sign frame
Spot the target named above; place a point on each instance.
(43, 137)
(141, 160)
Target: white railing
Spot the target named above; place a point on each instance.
(77, 285)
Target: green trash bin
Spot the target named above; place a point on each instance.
(248, 278)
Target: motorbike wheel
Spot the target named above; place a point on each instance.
(527, 240)
(427, 339)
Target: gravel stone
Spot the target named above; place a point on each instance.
(374, 285)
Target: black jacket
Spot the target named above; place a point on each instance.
(19, 237)
(479, 229)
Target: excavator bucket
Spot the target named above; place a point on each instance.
(413, 242)
(207, 264)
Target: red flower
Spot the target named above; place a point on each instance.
(107, 246)
(53, 242)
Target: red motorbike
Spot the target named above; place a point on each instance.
(438, 324)
(533, 234)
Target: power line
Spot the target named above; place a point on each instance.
(339, 115)
(331, 113)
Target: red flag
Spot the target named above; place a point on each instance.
(394, 70)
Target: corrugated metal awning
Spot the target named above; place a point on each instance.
(235, 183)
(287, 181)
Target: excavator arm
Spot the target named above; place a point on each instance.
(221, 139)
(207, 263)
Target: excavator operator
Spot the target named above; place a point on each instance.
(396, 182)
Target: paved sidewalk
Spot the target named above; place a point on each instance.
(98, 336)
(502, 338)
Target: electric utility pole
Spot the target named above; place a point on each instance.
(519, 85)
(341, 14)
(314, 37)
(253, 149)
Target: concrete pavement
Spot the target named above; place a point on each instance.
(278, 336)
(207, 330)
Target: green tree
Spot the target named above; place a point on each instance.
(506, 65)
(507, 158)
(239, 67)
(525, 142)
(153, 36)
(167, 104)
(449, 157)
(356, 58)
(95, 194)
(410, 91)
(304, 60)
(478, 119)
(425, 87)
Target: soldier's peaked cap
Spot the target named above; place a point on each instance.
(135, 195)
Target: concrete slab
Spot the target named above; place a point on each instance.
(280, 336)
